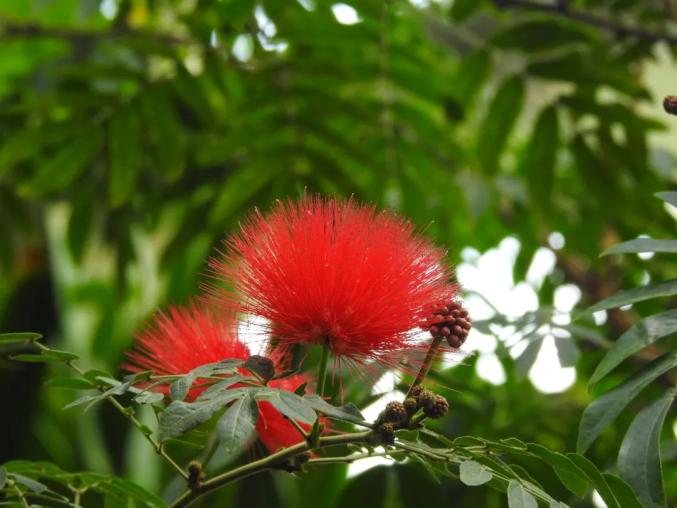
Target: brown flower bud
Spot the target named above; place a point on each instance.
(411, 405)
(438, 408)
(395, 412)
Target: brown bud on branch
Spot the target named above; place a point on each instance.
(670, 104)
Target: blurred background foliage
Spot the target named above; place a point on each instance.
(134, 134)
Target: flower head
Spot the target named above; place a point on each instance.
(335, 273)
(185, 338)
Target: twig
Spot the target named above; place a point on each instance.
(266, 463)
(128, 413)
(562, 9)
(427, 362)
(15, 30)
(314, 436)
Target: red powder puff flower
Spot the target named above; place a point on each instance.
(335, 273)
(185, 338)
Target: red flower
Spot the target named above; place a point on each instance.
(187, 337)
(335, 273)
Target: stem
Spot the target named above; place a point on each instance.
(269, 462)
(21, 496)
(314, 436)
(127, 413)
(423, 372)
(351, 458)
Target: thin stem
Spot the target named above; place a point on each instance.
(321, 384)
(21, 496)
(351, 458)
(127, 413)
(269, 462)
(430, 357)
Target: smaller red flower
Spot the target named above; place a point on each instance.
(185, 338)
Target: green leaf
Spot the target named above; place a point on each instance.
(639, 458)
(29, 483)
(622, 490)
(66, 165)
(473, 473)
(148, 397)
(639, 245)
(348, 412)
(644, 333)
(238, 424)
(541, 34)
(596, 478)
(181, 417)
(49, 356)
(604, 410)
(3, 477)
(180, 388)
(669, 197)
(518, 497)
(124, 153)
(569, 473)
(289, 404)
(162, 126)
(629, 296)
(538, 164)
(499, 121)
(19, 337)
(469, 78)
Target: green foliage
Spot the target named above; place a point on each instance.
(639, 461)
(131, 143)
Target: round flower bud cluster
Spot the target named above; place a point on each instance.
(452, 323)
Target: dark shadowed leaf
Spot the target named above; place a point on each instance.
(597, 479)
(501, 116)
(237, 425)
(604, 410)
(630, 296)
(569, 473)
(639, 458)
(538, 164)
(639, 245)
(66, 165)
(644, 333)
(180, 416)
(123, 155)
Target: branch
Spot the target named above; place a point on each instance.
(266, 463)
(129, 414)
(562, 9)
(15, 30)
